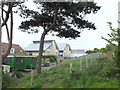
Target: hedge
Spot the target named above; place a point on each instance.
(51, 57)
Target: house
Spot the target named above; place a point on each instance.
(15, 50)
(78, 52)
(50, 48)
(64, 49)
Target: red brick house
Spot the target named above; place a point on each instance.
(15, 50)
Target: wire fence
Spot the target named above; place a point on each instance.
(93, 55)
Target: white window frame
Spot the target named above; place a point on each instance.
(12, 50)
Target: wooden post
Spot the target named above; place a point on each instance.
(92, 59)
(31, 77)
(80, 64)
(86, 62)
(70, 68)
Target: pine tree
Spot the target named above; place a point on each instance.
(65, 18)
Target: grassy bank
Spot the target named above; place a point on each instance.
(99, 74)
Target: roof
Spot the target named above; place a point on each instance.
(61, 46)
(20, 56)
(35, 45)
(17, 48)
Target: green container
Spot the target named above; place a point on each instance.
(19, 62)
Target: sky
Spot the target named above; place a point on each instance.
(89, 39)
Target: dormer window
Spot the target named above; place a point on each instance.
(12, 50)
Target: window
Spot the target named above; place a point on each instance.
(18, 60)
(30, 53)
(48, 53)
(56, 53)
(8, 60)
(12, 50)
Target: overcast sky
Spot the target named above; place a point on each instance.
(89, 39)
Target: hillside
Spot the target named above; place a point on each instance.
(99, 74)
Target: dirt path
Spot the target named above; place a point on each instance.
(46, 68)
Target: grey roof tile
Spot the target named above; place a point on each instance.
(35, 45)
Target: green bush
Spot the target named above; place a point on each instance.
(51, 57)
(6, 80)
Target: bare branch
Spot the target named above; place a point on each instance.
(7, 13)
(5, 25)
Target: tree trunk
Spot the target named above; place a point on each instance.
(0, 51)
(39, 60)
(10, 39)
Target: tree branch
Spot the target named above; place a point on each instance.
(54, 21)
(7, 13)
(5, 25)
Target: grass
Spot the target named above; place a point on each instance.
(98, 75)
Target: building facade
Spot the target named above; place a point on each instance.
(49, 48)
(64, 49)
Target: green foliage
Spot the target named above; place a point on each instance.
(6, 80)
(114, 37)
(100, 74)
(89, 51)
(102, 71)
(51, 57)
(108, 48)
(95, 50)
(59, 13)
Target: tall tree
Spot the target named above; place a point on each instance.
(0, 50)
(64, 18)
(3, 22)
(7, 15)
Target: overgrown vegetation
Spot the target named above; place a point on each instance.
(6, 80)
(99, 74)
(51, 57)
(106, 49)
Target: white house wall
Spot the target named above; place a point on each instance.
(52, 50)
(67, 51)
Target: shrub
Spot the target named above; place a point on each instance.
(6, 80)
(51, 57)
